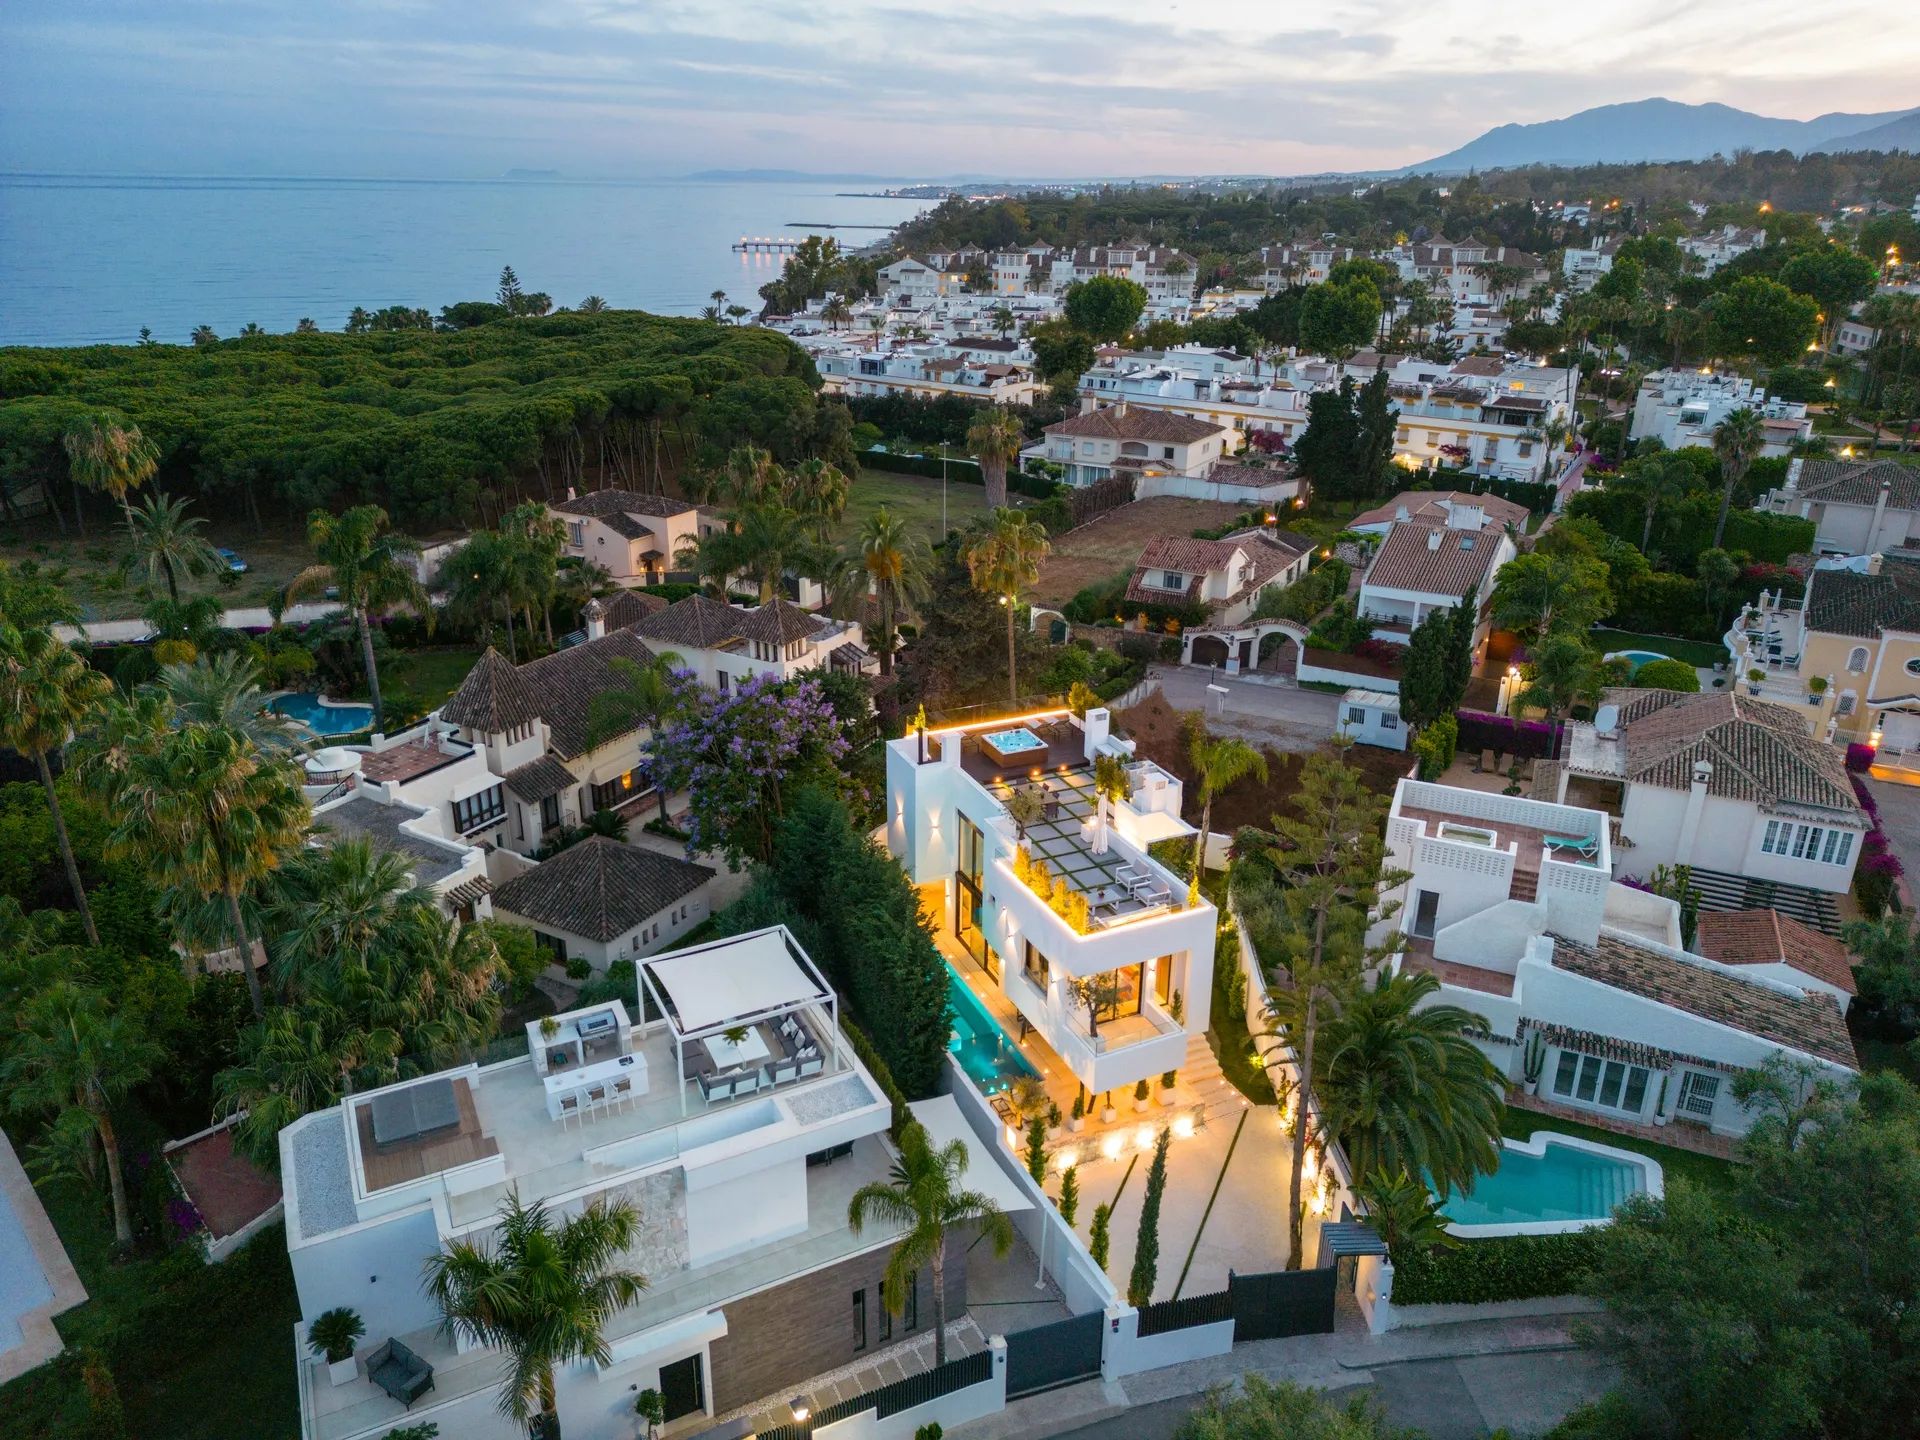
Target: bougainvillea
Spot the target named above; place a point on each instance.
(739, 755)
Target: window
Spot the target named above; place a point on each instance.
(615, 792)
(1807, 842)
(910, 1311)
(1356, 715)
(1857, 660)
(885, 1317)
(1848, 701)
(1172, 580)
(1034, 966)
(1601, 1083)
(859, 1320)
(486, 808)
(576, 533)
(1912, 667)
(550, 813)
(1389, 721)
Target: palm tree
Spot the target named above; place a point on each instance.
(73, 1054)
(994, 439)
(306, 326)
(203, 335)
(642, 696)
(836, 313)
(34, 598)
(167, 543)
(371, 568)
(1565, 670)
(1661, 479)
(542, 1293)
(817, 492)
(537, 540)
(1737, 441)
(1003, 321)
(107, 456)
(224, 690)
(210, 816)
(1403, 1213)
(1004, 558)
(47, 692)
(484, 574)
(1403, 1086)
(763, 543)
(329, 905)
(924, 1196)
(893, 565)
(593, 305)
(1218, 762)
(292, 1063)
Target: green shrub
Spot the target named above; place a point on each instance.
(1666, 675)
(578, 968)
(1435, 746)
(876, 1067)
(1485, 1272)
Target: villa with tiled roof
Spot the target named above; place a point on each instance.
(636, 537)
(1721, 781)
(1857, 507)
(1228, 575)
(1102, 441)
(1431, 564)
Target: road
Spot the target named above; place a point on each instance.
(247, 617)
(1454, 1399)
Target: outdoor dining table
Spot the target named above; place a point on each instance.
(728, 1056)
(604, 1072)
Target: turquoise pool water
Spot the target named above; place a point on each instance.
(321, 717)
(1638, 657)
(987, 1054)
(1562, 1183)
(1014, 742)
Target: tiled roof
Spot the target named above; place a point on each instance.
(603, 504)
(778, 622)
(1266, 555)
(1129, 422)
(1858, 482)
(1760, 751)
(1430, 507)
(558, 688)
(1845, 602)
(537, 779)
(1766, 937)
(630, 607)
(1810, 1023)
(695, 622)
(600, 888)
(1410, 561)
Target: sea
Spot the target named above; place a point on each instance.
(87, 259)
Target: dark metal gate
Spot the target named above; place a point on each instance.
(1281, 1303)
(1056, 1354)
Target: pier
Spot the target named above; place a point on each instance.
(765, 245)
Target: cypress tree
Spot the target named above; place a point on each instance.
(1037, 1149)
(1070, 1194)
(1375, 423)
(1424, 674)
(1099, 1239)
(1146, 1246)
(1465, 620)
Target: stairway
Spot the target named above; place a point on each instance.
(1525, 886)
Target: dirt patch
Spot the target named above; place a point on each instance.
(1159, 732)
(1104, 547)
(229, 1190)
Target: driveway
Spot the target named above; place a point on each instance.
(1900, 820)
(1286, 717)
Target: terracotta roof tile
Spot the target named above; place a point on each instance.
(1766, 937)
(558, 688)
(1844, 602)
(600, 888)
(1133, 423)
(1410, 560)
(1858, 482)
(1760, 751)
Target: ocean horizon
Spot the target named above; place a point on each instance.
(90, 259)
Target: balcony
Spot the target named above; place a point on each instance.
(1126, 1049)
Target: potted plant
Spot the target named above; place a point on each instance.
(1816, 687)
(1754, 677)
(1053, 1116)
(1077, 1121)
(549, 1027)
(651, 1406)
(1167, 1082)
(1660, 1116)
(735, 1034)
(1108, 1114)
(1141, 1093)
(332, 1337)
(1533, 1061)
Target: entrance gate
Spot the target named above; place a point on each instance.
(1052, 1355)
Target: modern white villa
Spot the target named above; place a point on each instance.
(736, 1120)
(1511, 904)
(1094, 944)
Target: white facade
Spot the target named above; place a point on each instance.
(1683, 407)
(948, 829)
(1372, 717)
(1715, 248)
(929, 371)
(1858, 518)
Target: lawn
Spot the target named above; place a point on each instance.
(1701, 653)
(1706, 1171)
(1110, 545)
(425, 677)
(913, 499)
(198, 1352)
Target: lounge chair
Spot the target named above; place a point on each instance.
(1586, 847)
(400, 1372)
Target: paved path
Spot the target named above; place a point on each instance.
(1900, 820)
(1455, 1382)
(1283, 716)
(247, 617)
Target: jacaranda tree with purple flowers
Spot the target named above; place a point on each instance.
(741, 755)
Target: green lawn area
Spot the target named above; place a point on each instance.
(198, 1352)
(1694, 652)
(1702, 1170)
(427, 676)
(913, 499)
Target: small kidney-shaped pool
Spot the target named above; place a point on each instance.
(1549, 1183)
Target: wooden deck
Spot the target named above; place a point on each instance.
(413, 1159)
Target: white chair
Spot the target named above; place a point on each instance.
(623, 1090)
(569, 1108)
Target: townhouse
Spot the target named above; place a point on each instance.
(1714, 248)
(1684, 407)
(1584, 987)
(1228, 575)
(1469, 272)
(637, 538)
(1857, 507)
(1307, 263)
(1427, 566)
(974, 368)
(1583, 265)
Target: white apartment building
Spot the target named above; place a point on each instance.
(737, 1122)
(1511, 904)
(1683, 407)
(1715, 248)
(1309, 263)
(966, 368)
(1109, 911)
(1458, 270)
(1584, 265)
(1124, 438)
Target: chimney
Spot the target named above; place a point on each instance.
(1087, 405)
(1433, 539)
(1099, 724)
(570, 494)
(595, 614)
(1400, 512)
(1879, 513)
(1121, 408)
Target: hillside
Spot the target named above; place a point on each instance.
(1661, 129)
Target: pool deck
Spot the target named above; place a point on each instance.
(40, 1342)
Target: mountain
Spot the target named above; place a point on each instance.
(1658, 130)
(1901, 134)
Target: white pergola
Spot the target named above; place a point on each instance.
(740, 981)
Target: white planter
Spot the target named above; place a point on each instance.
(343, 1372)
(1661, 1120)
(1533, 1087)
(1077, 1124)
(1166, 1095)
(1109, 1115)
(1140, 1107)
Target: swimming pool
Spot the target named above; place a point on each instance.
(1638, 657)
(323, 717)
(1550, 1183)
(990, 1058)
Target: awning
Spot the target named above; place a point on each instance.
(1155, 826)
(747, 975)
(940, 1117)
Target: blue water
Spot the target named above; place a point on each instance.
(1638, 657)
(1012, 742)
(992, 1061)
(23, 1286)
(1563, 1184)
(91, 259)
(325, 720)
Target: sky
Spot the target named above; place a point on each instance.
(1013, 88)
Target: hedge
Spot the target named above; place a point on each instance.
(960, 472)
(1520, 739)
(1486, 1272)
(1536, 495)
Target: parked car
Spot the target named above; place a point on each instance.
(231, 559)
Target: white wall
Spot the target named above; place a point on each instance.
(737, 1214)
(1127, 1353)
(374, 1268)
(947, 1411)
(1726, 837)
